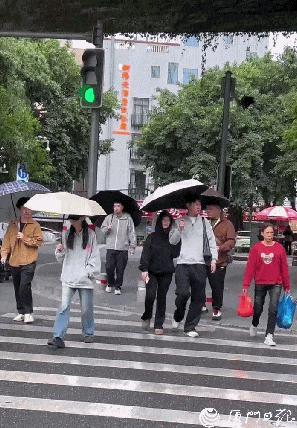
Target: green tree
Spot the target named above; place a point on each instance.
(44, 76)
(182, 138)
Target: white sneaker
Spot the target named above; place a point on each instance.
(175, 324)
(253, 331)
(269, 340)
(192, 333)
(108, 289)
(28, 318)
(19, 317)
(204, 310)
(117, 291)
(217, 316)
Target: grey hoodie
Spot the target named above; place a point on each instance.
(122, 234)
(192, 241)
(80, 266)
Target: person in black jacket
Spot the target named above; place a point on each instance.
(157, 268)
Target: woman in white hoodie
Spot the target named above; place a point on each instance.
(81, 262)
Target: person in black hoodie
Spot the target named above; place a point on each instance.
(157, 268)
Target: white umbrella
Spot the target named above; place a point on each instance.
(172, 195)
(64, 203)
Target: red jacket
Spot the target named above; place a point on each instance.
(267, 265)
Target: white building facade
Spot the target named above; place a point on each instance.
(135, 69)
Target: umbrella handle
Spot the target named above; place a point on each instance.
(13, 206)
(61, 240)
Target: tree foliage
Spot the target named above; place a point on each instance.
(43, 73)
(182, 138)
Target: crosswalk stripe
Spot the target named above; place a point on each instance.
(193, 370)
(165, 338)
(147, 366)
(78, 311)
(149, 387)
(124, 412)
(161, 351)
(104, 321)
(132, 380)
(78, 320)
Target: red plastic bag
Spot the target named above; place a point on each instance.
(245, 308)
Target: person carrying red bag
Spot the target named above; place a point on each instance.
(268, 266)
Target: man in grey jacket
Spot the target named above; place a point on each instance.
(120, 238)
(191, 272)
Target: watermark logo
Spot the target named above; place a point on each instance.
(209, 417)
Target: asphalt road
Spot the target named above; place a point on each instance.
(129, 378)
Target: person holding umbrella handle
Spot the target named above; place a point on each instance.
(81, 263)
(195, 234)
(21, 243)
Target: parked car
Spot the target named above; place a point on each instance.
(50, 236)
(243, 241)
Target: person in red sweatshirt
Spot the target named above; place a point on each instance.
(268, 266)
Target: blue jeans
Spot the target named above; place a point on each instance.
(87, 311)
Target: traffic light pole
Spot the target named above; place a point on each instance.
(224, 140)
(94, 140)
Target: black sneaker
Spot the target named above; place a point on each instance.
(89, 339)
(56, 342)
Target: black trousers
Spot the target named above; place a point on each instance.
(190, 282)
(260, 294)
(116, 262)
(288, 247)
(217, 282)
(158, 285)
(22, 277)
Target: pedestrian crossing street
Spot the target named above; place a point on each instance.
(129, 378)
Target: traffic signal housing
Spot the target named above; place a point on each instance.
(92, 73)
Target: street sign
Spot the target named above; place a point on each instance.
(22, 173)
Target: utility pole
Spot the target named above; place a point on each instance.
(94, 140)
(229, 87)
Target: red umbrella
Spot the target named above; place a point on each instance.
(278, 213)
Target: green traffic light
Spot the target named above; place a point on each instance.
(89, 95)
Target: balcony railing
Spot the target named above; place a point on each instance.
(138, 120)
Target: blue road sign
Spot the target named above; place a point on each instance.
(22, 173)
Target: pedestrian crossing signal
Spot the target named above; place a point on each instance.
(92, 78)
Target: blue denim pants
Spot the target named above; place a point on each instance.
(87, 311)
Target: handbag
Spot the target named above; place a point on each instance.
(285, 312)
(206, 248)
(245, 307)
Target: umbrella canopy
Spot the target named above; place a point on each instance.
(212, 197)
(172, 195)
(106, 198)
(278, 213)
(11, 192)
(64, 203)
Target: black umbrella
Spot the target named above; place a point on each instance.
(212, 197)
(106, 198)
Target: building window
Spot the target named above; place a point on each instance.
(189, 74)
(158, 48)
(155, 71)
(141, 108)
(137, 185)
(192, 42)
(228, 39)
(172, 73)
(249, 54)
